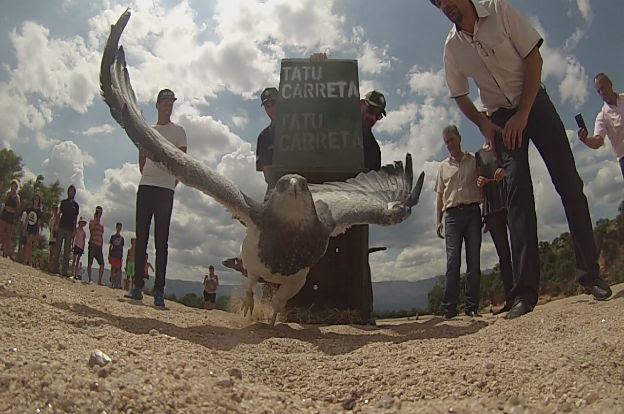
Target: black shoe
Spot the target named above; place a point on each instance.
(519, 308)
(597, 287)
(472, 314)
(505, 308)
(450, 314)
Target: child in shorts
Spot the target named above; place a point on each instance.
(80, 236)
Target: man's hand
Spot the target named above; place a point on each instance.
(439, 230)
(489, 130)
(481, 181)
(318, 57)
(512, 133)
(499, 175)
(582, 134)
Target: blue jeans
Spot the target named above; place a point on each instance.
(547, 132)
(462, 223)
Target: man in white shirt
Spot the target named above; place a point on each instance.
(155, 199)
(610, 120)
(494, 45)
(458, 201)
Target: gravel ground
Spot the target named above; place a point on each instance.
(566, 356)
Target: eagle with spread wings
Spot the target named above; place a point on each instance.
(289, 232)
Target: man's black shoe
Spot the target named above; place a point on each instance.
(519, 308)
(472, 314)
(597, 287)
(505, 308)
(450, 314)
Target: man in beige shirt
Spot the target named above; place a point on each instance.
(458, 202)
(495, 46)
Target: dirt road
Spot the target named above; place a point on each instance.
(566, 356)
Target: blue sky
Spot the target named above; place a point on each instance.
(218, 55)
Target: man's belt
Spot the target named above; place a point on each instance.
(463, 206)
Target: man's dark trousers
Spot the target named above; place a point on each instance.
(151, 202)
(462, 223)
(547, 132)
(497, 225)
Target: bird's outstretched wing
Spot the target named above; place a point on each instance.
(118, 94)
(383, 197)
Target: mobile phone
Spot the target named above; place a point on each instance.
(580, 121)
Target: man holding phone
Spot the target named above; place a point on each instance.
(609, 122)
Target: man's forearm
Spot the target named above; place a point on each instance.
(532, 80)
(439, 209)
(467, 107)
(594, 142)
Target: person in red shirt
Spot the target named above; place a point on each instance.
(96, 239)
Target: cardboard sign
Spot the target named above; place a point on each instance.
(319, 125)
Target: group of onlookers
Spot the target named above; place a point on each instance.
(67, 240)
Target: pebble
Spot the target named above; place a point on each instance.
(154, 332)
(236, 373)
(99, 358)
(226, 383)
(349, 404)
(592, 397)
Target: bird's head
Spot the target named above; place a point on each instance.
(291, 199)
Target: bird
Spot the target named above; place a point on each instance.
(286, 234)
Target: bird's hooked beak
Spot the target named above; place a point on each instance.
(294, 184)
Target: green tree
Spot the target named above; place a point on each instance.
(223, 303)
(10, 168)
(435, 298)
(192, 300)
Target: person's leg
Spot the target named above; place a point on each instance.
(3, 234)
(497, 225)
(550, 139)
(521, 217)
(67, 234)
(90, 257)
(453, 239)
(59, 246)
(28, 250)
(144, 211)
(74, 265)
(162, 219)
(100, 259)
(622, 166)
(472, 235)
(51, 256)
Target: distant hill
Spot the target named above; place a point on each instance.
(387, 296)
(183, 287)
(402, 294)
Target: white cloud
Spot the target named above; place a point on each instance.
(240, 120)
(66, 164)
(566, 68)
(429, 83)
(573, 86)
(585, 10)
(62, 71)
(100, 129)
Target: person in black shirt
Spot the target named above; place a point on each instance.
(7, 218)
(264, 148)
(115, 256)
(373, 108)
(67, 225)
(33, 226)
(493, 187)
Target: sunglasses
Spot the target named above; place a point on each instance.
(373, 110)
